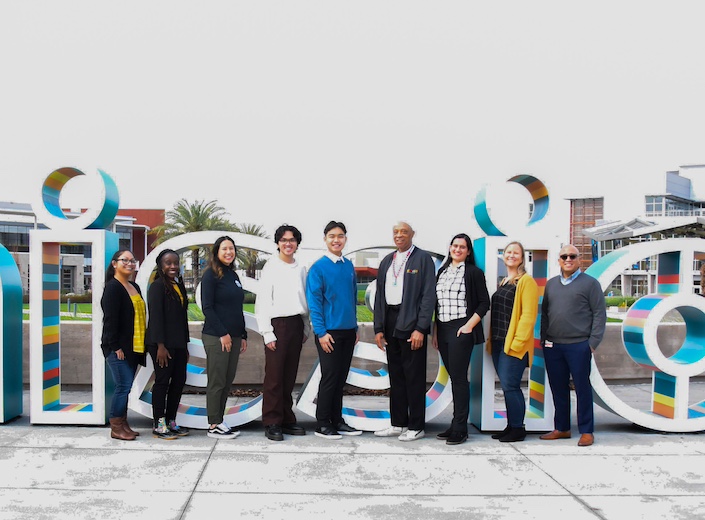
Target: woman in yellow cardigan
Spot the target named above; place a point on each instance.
(511, 339)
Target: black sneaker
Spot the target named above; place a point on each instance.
(346, 429)
(222, 431)
(273, 432)
(327, 432)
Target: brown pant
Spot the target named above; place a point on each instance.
(281, 366)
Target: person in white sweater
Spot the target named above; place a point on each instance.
(282, 316)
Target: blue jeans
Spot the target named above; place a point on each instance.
(509, 370)
(123, 376)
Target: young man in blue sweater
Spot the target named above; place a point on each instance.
(331, 293)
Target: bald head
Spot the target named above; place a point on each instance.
(569, 260)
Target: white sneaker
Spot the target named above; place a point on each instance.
(392, 431)
(412, 435)
(222, 431)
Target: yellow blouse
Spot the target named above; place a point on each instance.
(140, 323)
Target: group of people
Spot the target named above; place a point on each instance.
(412, 303)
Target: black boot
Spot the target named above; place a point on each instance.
(501, 434)
(514, 435)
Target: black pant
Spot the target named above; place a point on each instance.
(455, 352)
(168, 384)
(280, 368)
(334, 371)
(407, 377)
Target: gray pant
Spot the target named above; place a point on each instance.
(220, 367)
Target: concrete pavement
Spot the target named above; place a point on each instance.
(56, 472)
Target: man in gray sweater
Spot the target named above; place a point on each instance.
(573, 317)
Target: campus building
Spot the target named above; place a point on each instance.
(18, 219)
(676, 213)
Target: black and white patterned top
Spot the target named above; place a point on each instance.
(502, 305)
(450, 291)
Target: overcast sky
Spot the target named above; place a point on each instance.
(366, 111)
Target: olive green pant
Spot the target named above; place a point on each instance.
(221, 367)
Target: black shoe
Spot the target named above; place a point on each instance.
(514, 435)
(327, 432)
(501, 434)
(293, 429)
(444, 435)
(457, 438)
(345, 429)
(273, 432)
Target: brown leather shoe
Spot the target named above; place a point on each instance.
(555, 434)
(117, 431)
(586, 439)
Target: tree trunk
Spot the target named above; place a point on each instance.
(195, 266)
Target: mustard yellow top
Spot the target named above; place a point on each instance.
(520, 334)
(178, 291)
(140, 323)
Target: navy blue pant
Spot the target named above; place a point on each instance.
(334, 371)
(562, 362)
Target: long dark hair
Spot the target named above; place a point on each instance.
(215, 263)
(168, 286)
(470, 260)
(110, 271)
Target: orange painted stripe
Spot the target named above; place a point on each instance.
(536, 396)
(50, 255)
(50, 295)
(51, 374)
(49, 339)
(663, 410)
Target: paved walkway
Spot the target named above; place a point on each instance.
(56, 472)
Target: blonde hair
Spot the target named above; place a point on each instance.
(520, 268)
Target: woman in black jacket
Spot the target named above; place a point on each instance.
(122, 341)
(462, 301)
(167, 341)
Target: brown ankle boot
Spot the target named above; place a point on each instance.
(127, 428)
(117, 431)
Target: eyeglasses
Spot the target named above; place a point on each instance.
(566, 257)
(288, 241)
(126, 261)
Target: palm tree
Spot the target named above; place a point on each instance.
(187, 217)
(249, 259)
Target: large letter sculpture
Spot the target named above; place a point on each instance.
(539, 410)
(47, 405)
(10, 338)
(671, 407)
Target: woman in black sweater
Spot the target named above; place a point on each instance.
(224, 335)
(167, 340)
(122, 341)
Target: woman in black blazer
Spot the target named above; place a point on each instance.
(462, 301)
(167, 340)
(122, 341)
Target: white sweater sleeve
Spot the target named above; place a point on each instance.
(264, 305)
